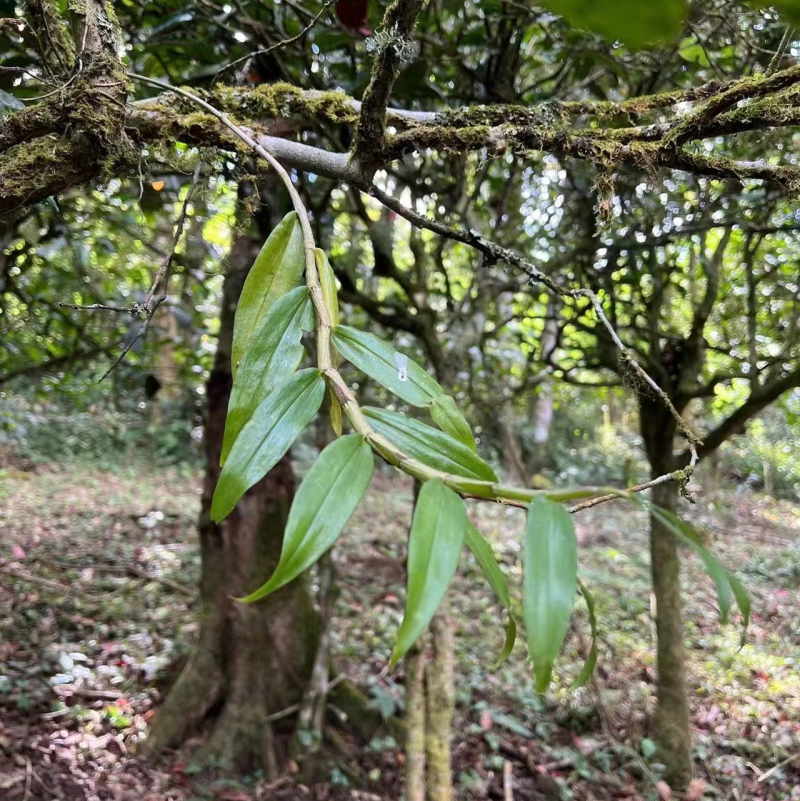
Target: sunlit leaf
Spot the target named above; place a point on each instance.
(277, 269)
(322, 506)
(272, 355)
(485, 557)
(428, 445)
(266, 437)
(448, 417)
(390, 368)
(437, 534)
(550, 581)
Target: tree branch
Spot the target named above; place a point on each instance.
(395, 44)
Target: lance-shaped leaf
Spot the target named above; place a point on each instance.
(437, 534)
(266, 437)
(390, 368)
(324, 503)
(728, 587)
(591, 659)
(550, 581)
(272, 355)
(429, 445)
(277, 269)
(484, 555)
(448, 417)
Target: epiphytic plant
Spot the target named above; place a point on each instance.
(272, 402)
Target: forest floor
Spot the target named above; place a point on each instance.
(97, 572)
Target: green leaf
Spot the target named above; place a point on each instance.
(437, 534)
(379, 360)
(427, 444)
(277, 269)
(636, 23)
(324, 503)
(591, 660)
(743, 602)
(692, 51)
(550, 581)
(273, 353)
(728, 587)
(336, 415)
(483, 553)
(327, 283)
(266, 437)
(448, 417)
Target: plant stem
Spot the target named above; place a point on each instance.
(466, 487)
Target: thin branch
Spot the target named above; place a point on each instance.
(326, 5)
(680, 476)
(479, 490)
(151, 303)
(134, 310)
(498, 253)
(394, 43)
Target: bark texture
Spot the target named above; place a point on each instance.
(252, 660)
(672, 713)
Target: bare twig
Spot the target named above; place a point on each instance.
(677, 475)
(151, 303)
(325, 6)
(764, 776)
(508, 781)
(135, 310)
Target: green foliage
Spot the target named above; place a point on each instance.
(728, 587)
(550, 581)
(437, 534)
(324, 503)
(277, 269)
(635, 23)
(591, 659)
(485, 557)
(270, 432)
(273, 353)
(390, 368)
(448, 417)
(431, 447)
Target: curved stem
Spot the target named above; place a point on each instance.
(467, 488)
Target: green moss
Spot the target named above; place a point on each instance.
(277, 100)
(444, 139)
(36, 164)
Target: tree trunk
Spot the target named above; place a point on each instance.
(415, 723)
(252, 660)
(430, 700)
(439, 703)
(672, 713)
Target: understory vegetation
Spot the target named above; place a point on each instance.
(97, 612)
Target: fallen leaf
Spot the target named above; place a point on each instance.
(696, 790)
